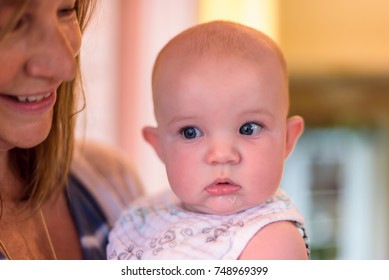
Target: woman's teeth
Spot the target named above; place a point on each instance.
(36, 98)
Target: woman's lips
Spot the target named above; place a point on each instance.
(32, 98)
(222, 187)
(30, 104)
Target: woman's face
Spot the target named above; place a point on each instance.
(37, 54)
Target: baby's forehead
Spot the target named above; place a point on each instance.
(219, 39)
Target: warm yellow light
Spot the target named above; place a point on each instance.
(260, 14)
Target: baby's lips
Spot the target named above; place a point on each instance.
(222, 189)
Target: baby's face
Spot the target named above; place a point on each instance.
(222, 131)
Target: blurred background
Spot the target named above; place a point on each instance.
(338, 58)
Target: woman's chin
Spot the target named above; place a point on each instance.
(30, 136)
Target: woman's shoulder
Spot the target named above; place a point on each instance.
(107, 174)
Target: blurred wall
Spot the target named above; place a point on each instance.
(330, 36)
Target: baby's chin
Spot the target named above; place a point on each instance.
(219, 205)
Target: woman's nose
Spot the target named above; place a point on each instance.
(223, 152)
(53, 53)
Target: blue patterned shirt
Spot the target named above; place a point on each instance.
(89, 219)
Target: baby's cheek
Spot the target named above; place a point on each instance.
(178, 175)
(184, 182)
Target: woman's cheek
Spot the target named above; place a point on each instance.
(74, 37)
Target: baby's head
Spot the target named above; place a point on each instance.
(220, 94)
(217, 40)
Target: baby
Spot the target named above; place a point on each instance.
(220, 93)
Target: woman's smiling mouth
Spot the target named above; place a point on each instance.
(30, 99)
(30, 104)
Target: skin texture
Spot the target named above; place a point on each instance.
(36, 55)
(216, 98)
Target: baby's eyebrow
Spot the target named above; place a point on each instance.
(180, 118)
(260, 111)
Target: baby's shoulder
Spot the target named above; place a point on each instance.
(279, 240)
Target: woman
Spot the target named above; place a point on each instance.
(54, 204)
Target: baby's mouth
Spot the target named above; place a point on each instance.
(222, 187)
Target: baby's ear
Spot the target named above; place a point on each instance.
(294, 128)
(150, 134)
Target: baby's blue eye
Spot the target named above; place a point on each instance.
(190, 132)
(250, 129)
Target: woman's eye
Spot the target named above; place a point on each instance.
(20, 23)
(67, 12)
(250, 129)
(190, 132)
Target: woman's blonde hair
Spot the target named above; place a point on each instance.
(44, 169)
